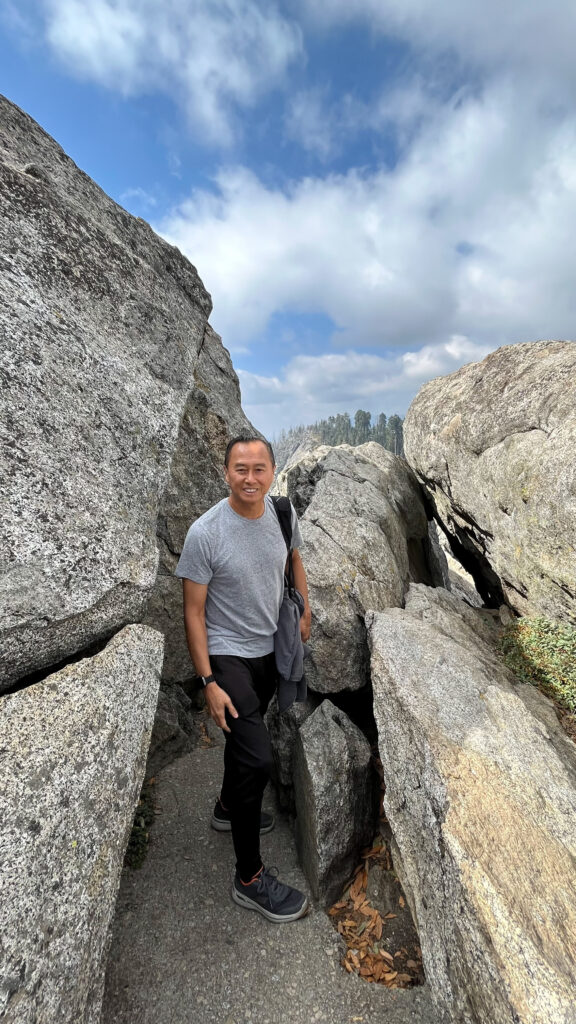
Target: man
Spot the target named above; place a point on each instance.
(232, 566)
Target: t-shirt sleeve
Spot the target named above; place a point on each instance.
(296, 535)
(194, 563)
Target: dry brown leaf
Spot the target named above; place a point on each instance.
(386, 956)
(378, 927)
(366, 909)
(404, 979)
(374, 852)
(356, 886)
(402, 901)
(348, 966)
(348, 923)
(412, 964)
(388, 917)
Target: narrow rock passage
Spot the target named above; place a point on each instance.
(184, 953)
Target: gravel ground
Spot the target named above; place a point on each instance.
(183, 953)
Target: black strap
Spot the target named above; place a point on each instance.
(284, 512)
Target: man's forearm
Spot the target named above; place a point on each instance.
(300, 581)
(197, 641)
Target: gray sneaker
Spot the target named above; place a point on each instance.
(270, 897)
(220, 820)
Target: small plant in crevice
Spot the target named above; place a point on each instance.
(140, 835)
(543, 652)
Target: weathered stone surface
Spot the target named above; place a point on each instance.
(495, 443)
(481, 797)
(334, 794)
(365, 537)
(175, 731)
(102, 323)
(212, 416)
(283, 730)
(71, 766)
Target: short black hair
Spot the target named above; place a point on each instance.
(248, 439)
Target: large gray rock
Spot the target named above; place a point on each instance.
(334, 794)
(71, 766)
(495, 443)
(481, 797)
(102, 325)
(108, 329)
(365, 537)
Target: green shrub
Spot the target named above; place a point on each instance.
(543, 653)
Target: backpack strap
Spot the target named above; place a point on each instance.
(283, 510)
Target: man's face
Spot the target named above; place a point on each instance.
(250, 473)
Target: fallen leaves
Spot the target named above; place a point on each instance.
(361, 926)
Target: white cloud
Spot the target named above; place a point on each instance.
(310, 122)
(535, 36)
(314, 387)
(213, 56)
(137, 197)
(473, 232)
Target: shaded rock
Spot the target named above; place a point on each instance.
(71, 767)
(365, 537)
(106, 322)
(175, 731)
(481, 797)
(495, 445)
(212, 416)
(334, 793)
(283, 730)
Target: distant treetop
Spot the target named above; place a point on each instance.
(340, 429)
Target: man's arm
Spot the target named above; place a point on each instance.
(301, 585)
(194, 604)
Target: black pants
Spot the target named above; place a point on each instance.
(250, 683)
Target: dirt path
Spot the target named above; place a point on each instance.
(184, 953)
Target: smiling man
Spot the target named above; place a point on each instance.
(232, 565)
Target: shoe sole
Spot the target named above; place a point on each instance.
(248, 904)
(225, 826)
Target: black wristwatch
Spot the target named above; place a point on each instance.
(207, 679)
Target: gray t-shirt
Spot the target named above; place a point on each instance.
(242, 561)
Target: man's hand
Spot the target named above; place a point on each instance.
(218, 702)
(305, 622)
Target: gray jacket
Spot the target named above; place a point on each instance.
(289, 650)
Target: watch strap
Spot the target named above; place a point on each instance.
(207, 679)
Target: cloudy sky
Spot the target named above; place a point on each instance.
(375, 192)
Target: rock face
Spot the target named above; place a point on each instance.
(495, 444)
(212, 416)
(283, 730)
(111, 375)
(71, 766)
(481, 797)
(334, 794)
(365, 537)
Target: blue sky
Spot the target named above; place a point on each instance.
(375, 192)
